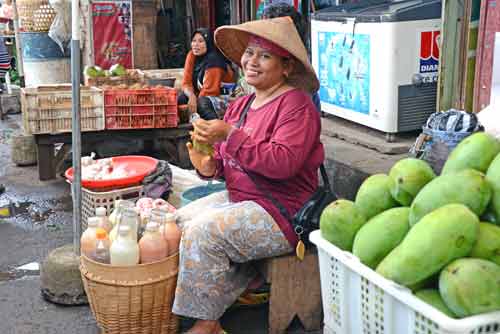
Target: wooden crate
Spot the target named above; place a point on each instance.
(47, 109)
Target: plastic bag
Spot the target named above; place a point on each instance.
(60, 30)
(183, 179)
(441, 134)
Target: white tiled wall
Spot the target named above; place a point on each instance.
(495, 81)
(496, 60)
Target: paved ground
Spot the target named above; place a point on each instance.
(43, 223)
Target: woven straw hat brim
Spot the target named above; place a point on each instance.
(233, 40)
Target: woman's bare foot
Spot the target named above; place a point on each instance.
(206, 327)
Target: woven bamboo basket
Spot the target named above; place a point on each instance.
(35, 15)
(132, 300)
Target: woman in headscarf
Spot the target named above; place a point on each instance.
(204, 72)
(267, 145)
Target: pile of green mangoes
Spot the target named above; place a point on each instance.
(437, 235)
(117, 70)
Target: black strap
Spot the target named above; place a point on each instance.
(284, 212)
(243, 115)
(324, 175)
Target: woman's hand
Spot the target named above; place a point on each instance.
(203, 163)
(193, 103)
(211, 132)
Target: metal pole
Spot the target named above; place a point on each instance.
(19, 51)
(76, 186)
(189, 23)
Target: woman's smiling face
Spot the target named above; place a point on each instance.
(198, 45)
(262, 68)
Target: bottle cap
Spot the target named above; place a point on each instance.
(170, 217)
(101, 211)
(101, 233)
(157, 215)
(93, 222)
(123, 229)
(129, 212)
(126, 204)
(152, 226)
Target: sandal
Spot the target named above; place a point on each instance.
(251, 299)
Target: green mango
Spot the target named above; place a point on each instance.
(93, 71)
(443, 235)
(488, 243)
(493, 178)
(433, 298)
(408, 176)
(471, 286)
(204, 148)
(374, 196)
(476, 151)
(339, 222)
(467, 187)
(380, 235)
(118, 70)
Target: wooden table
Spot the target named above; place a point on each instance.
(49, 162)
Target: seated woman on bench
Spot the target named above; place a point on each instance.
(205, 70)
(278, 143)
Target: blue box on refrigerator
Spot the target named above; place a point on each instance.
(377, 61)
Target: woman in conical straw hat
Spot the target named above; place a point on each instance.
(277, 143)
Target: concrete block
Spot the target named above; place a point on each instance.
(60, 278)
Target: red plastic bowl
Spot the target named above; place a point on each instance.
(138, 166)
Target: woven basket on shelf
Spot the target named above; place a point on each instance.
(35, 15)
(132, 300)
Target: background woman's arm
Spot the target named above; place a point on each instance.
(212, 81)
(187, 81)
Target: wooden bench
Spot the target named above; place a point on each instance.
(295, 291)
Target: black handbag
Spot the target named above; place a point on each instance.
(307, 218)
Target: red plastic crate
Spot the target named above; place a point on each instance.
(140, 108)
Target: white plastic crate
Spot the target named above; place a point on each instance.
(357, 300)
(47, 109)
(92, 200)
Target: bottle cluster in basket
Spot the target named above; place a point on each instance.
(143, 233)
(428, 232)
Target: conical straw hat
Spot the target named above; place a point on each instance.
(233, 40)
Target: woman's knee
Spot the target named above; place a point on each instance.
(206, 109)
(202, 232)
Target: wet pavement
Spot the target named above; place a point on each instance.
(35, 218)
